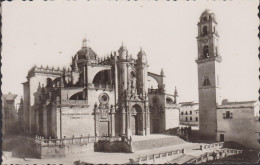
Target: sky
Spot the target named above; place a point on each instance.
(50, 33)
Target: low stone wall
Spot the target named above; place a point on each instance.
(106, 146)
(120, 144)
(56, 148)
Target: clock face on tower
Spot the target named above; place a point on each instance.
(204, 42)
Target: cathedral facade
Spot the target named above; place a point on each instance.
(97, 97)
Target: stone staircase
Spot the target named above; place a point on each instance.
(147, 144)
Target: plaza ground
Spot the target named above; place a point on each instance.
(191, 150)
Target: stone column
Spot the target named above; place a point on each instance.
(37, 122)
(45, 129)
(147, 121)
(96, 119)
(143, 123)
(112, 121)
(123, 121)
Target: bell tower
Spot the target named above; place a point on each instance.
(208, 62)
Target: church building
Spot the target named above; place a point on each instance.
(97, 96)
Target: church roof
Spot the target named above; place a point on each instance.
(240, 104)
(190, 103)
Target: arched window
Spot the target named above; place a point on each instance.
(205, 51)
(205, 30)
(77, 96)
(206, 81)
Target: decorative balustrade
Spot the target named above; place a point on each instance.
(102, 86)
(154, 157)
(211, 146)
(218, 154)
(74, 102)
(38, 140)
(155, 91)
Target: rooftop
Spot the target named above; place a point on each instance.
(239, 104)
(191, 103)
(9, 96)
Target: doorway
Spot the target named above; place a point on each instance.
(134, 124)
(156, 124)
(136, 120)
(221, 137)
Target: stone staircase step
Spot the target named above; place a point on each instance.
(157, 143)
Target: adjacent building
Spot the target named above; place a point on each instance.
(9, 113)
(239, 122)
(189, 113)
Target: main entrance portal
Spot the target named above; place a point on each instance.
(136, 120)
(134, 124)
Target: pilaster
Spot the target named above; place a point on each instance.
(45, 129)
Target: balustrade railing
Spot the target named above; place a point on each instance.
(218, 154)
(154, 157)
(211, 146)
(102, 86)
(38, 140)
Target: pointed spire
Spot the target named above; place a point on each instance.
(175, 92)
(175, 96)
(162, 72)
(76, 67)
(21, 101)
(84, 43)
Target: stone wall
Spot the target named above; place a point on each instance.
(76, 121)
(116, 146)
(172, 118)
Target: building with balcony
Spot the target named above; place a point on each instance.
(97, 96)
(239, 122)
(189, 113)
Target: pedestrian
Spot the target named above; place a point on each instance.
(214, 155)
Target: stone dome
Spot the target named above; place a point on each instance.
(207, 12)
(86, 53)
(207, 15)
